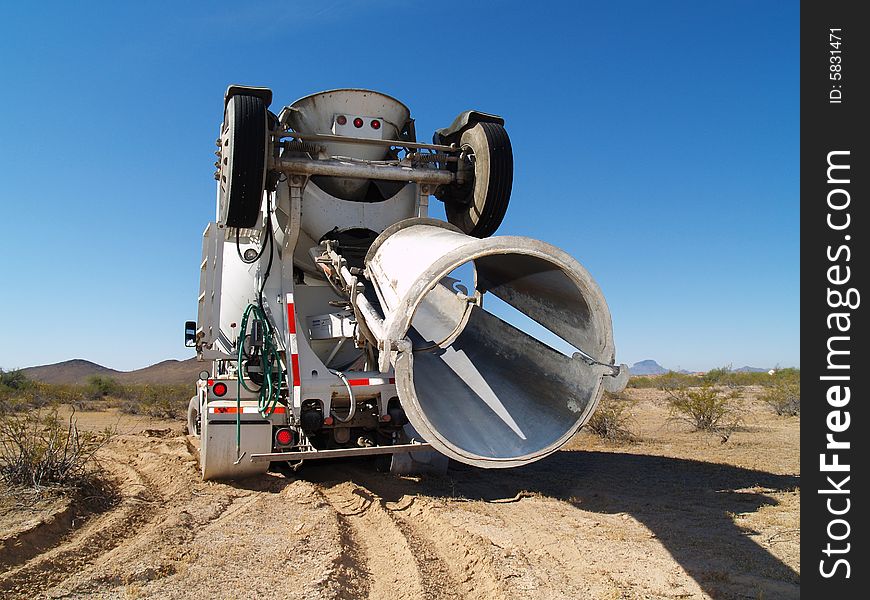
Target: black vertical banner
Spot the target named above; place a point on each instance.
(835, 421)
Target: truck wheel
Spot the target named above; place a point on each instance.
(479, 207)
(193, 424)
(243, 160)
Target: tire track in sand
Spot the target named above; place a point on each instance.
(375, 545)
(465, 558)
(99, 535)
(454, 561)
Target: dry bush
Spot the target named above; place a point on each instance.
(784, 397)
(40, 450)
(18, 395)
(102, 387)
(38, 395)
(668, 380)
(611, 418)
(706, 408)
(161, 401)
(14, 380)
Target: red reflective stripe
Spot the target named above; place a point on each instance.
(369, 381)
(294, 359)
(291, 318)
(231, 410)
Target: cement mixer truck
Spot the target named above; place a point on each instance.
(341, 320)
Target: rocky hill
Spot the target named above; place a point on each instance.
(647, 367)
(79, 370)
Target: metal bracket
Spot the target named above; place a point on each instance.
(297, 185)
(422, 206)
(340, 452)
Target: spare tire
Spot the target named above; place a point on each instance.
(243, 160)
(478, 207)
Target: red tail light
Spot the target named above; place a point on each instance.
(376, 124)
(219, 389)
(357, 122)
(284, 437)
(341, 120)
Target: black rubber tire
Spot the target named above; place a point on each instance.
(243, 160)
(479, 208)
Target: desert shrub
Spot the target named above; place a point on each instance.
(726, 376)
(64, 393)
(31, 398)
(784, 397)
(39, 449)
(722, 376)
(161, 401)
(669, 380)
(789, 375)
(100, 387)
(611, 419)
(40, 395)
(14, 380)
(673, 380)
(100, 393)
(706, 408)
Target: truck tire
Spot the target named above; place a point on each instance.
(478, 207)
(193, 424)
(243, 160)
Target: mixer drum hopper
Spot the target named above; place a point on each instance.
(478, 389)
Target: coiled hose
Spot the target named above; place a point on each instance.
(270, 390)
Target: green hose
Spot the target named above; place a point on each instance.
(270, 390)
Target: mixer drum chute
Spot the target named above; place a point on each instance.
(477, 388)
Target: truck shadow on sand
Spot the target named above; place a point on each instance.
(688, 505)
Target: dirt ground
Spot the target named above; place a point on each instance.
(677, 514)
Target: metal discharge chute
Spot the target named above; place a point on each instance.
(477, 388)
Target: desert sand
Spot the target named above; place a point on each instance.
(674, 514)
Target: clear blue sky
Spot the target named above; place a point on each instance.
(657, 142)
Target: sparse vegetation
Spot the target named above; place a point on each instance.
(706, 408)
(669, 380)
(162, 401)
(39, 450)
(722, 376)
(101, 387)
(612, 417)
(784, 397)
(14, 380)
(100, 393)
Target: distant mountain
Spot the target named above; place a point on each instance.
(647, 367)
(78, 371)
(70, 371)
(751, 370)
